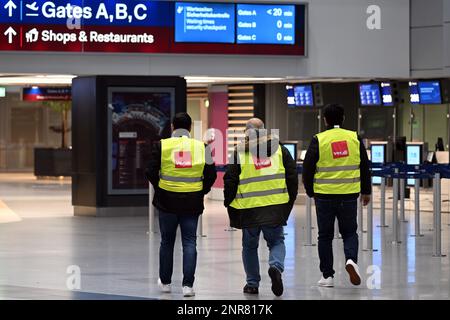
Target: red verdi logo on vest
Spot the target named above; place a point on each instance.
(340, 149)
(183, 159)
(261, 163)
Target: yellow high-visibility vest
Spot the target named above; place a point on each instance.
(339, 162)
(182, 164)
(262, 182)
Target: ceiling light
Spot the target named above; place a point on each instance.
(37, 80)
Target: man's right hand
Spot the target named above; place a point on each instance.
(365, 199)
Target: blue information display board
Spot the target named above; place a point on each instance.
(414, 96)
(304, 96)
(204, 22)
(386, 92)
(370, 94)
(430, 92)
(88, 13)
(265, 24)
(148, 26)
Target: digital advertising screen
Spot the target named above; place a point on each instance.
(414, 96)
(430, 92)
(265, 24)
(370, 94)
(138, 117)
(204, 22)
(386, 94)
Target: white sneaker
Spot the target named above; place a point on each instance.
(328, 282)
(188, 292)
(165, 288)
(353, 271)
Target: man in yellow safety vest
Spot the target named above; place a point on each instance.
(335, 173)
(182, 172)
(260, 187)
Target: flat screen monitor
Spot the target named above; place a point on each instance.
(413, 157)
(377, 155)
(386, 94)
(2, 92)
(430, 92)
(265, 24)
(292, 148)
(300, 95)
(205, 22)
(414, 96)
(370, 94)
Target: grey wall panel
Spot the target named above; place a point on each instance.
(340, 44)
(427, 48)
(446, 10)
(447, 45)
(426, 12)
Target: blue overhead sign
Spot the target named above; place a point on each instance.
(95, 12)
(147, 26)
(204, 22)
(265, 24)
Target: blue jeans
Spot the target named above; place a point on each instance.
(346, 213)
(277, 251)
(168, 224)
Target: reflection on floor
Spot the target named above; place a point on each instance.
(117, 259)
(45, 198)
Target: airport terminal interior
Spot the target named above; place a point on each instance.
(85, 93)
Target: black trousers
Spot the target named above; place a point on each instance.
(346, 213)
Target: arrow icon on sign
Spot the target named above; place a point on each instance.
(10, 6)
(10, 33)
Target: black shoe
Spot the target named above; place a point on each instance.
(277, 282)
(250, 290)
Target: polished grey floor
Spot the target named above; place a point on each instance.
(118, 259)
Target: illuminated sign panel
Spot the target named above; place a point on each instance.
(265, 24)
(149, 27)
(204, 22)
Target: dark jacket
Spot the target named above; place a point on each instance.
(263, 216)
(179, 202)
(309, 170)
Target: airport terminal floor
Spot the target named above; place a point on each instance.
(42, 243)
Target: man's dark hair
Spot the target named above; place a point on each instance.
(334, 114)
(182, 121)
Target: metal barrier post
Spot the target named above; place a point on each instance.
(309, 222)
(200, 227)
(369, 241)
(395, 226)
(437, 252)
(402, 200)
(417, 209)
(360, 217)
(151, 210)
(337, 235)
(383, 204)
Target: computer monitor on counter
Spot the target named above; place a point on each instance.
(292, 147)
(378, 155)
